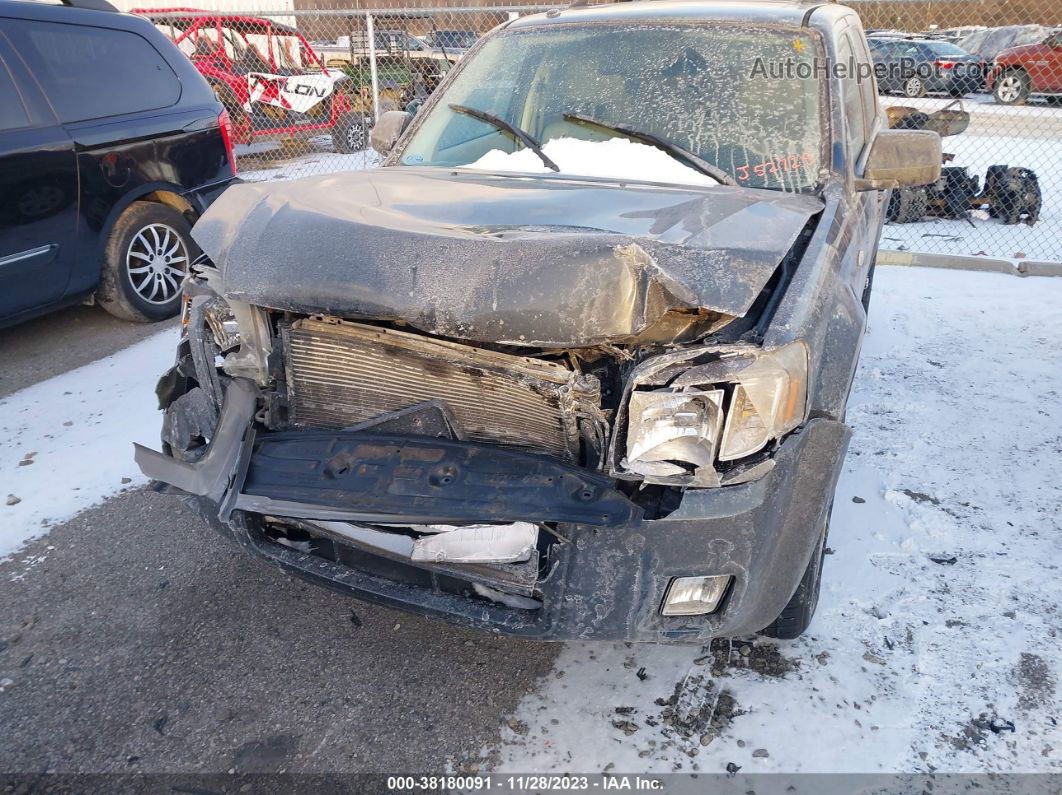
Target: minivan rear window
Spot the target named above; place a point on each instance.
(92, 73)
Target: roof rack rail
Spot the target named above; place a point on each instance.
(90, 5)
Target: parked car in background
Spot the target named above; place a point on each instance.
(916, 67)
(1018, 73)
(111, 146)
(574, 363)
(453, 41)
(268, 77)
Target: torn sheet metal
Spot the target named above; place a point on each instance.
(509, 543)
(524, 261)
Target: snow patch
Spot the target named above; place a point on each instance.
(67, 443)
(614, 158)
(935, 645)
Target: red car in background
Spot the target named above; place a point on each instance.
(1018, 72)
(268, 77)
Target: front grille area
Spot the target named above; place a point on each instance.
(341, 373)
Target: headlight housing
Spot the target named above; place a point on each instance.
(690, 411)
(222, 323)
(768, 401)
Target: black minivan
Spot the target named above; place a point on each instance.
(111, 145)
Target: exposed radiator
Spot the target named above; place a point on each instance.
(340, 373)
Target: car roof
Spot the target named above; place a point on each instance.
(182, 18)
(71, 15)
(784, 12)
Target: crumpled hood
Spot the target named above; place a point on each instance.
(491, 258)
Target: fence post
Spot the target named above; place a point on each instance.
(371, 32)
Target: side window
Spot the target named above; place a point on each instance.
(12, 112)
(92, 73)
(853, 100)
(868, 87)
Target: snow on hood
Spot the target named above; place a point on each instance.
(523, 260)
(614, 158)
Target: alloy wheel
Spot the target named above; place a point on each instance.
(356, 137)
(155, 263)
(1010, 88)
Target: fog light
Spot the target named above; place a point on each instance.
(694, 596)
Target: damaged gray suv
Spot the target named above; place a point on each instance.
(573, 363)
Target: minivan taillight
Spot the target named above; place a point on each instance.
(225, 123)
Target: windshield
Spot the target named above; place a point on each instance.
(707, 89)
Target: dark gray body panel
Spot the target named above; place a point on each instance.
(490, 258)
(609, 583)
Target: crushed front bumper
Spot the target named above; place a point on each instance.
(607, 582)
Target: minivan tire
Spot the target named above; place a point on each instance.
(796, 616)
(158, 236)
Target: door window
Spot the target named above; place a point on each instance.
(92, 73)
(853, 100)
(868, 87)
(12, 112)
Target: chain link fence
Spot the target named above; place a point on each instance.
(303, 84)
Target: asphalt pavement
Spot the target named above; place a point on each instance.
(60, 341)
(133, 638)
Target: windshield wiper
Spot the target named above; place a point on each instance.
(504, 126)
(674, 150)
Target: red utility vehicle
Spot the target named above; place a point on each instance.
(1029, 69)
(268, 77)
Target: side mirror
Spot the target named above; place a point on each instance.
(901, 159)
(388, 129)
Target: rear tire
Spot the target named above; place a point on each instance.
(796, 616)
(145, 260)
(914, 87)
(351, 133)
(1012, 88)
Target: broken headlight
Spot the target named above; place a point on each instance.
(668, 426)
(768, 401)
(687, 412)
(222, 323)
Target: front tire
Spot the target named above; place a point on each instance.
(1012, 88)
(796, 616)
(145, 260)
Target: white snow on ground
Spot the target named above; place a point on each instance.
(76, 432)
(988, 236)
(910, 665)
(614, 158)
